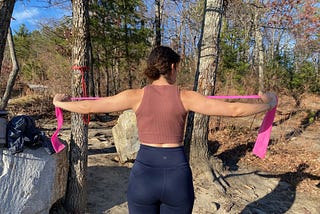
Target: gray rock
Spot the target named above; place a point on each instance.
(32, 181)
(125, 135)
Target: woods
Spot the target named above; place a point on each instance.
(226, 47)
(257, 41)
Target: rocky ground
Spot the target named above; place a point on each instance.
(286, 181)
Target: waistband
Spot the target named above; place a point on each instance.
(162, 157)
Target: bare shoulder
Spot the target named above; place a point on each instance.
(134, 92)
(189, 98)
(188, 94)
(131, 93)
(134, 96)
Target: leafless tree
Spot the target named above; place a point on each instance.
(6, 10)
(197, 126)
(76, 197)
(13, 74)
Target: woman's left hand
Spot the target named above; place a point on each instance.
(269, 98)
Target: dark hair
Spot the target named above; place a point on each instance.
(159, 62)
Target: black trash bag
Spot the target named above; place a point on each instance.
(22, 131)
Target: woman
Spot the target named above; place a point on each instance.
(161, 179)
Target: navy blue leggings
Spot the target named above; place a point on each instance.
(160, 182)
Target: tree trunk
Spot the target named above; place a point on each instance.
(260, 59)
(92, 91)
(76, 198)
(13, 74)
(127, 54)
(259, 53)
(158, 20)
(6, 9)
(197, 126)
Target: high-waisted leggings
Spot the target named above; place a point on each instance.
(160, 182)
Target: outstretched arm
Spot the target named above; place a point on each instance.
(196, 102)
(128, 99)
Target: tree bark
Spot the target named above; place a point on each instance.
(76, 198)
(158, 20)
(13, 74)
(259, 51)
(6, 9)
(92, 91)
(197, 126)
(127, 54)
(260, 59)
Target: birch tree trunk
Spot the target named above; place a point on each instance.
(6, 9)
(76, 197)
(13, 74)
(260, 59)
(259, 51)
(197, 126)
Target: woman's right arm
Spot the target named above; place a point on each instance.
(193, 101)
(128, 99)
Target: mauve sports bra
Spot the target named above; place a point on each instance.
(161, 116)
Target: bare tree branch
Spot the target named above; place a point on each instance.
(13, 74)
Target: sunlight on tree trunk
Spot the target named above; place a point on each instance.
(13, 74)
(76, 197)
(197, 127)
(259, 50)
(6, 9)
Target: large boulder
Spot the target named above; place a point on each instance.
(32, 181)
(125, 135)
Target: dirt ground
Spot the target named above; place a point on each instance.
(295, 140)
(292, 162)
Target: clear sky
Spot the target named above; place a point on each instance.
(33, 12)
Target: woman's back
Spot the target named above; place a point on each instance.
(161, 115)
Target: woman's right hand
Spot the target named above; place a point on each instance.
(269, 98)
(60, 98)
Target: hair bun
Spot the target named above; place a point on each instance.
(152, 72)
(160, 62)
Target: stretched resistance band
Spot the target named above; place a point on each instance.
(259, 149)
(262, 141)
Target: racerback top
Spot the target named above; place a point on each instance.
(161, 116)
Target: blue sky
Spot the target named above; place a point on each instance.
(33, 12)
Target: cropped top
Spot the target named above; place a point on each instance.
(161, 116)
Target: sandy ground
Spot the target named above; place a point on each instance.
(108, 179)
(280, 188)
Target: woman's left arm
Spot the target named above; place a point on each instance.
(193, 101)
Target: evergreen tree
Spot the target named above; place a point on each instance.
(119, 39)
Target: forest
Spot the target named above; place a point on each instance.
(285, 33)
(227, 48)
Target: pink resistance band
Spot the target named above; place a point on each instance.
(56, 143)
(262, 141)
(259, 149)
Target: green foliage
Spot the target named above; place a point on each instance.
(299, 77)
(233, 64)
(309, 75)
(290, 76)
(119, 37)
(43, 55)
(22, 41)
(33, 70)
